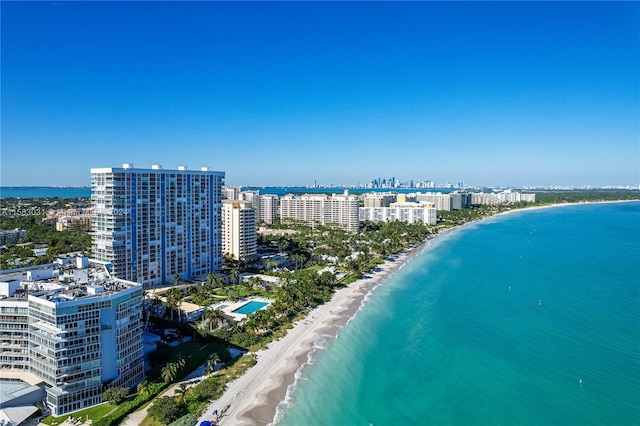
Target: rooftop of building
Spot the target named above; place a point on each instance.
(156, 168)
(67, 279)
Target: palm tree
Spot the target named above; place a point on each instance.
(144, 388)
(235, 275)
(220, 282)
(173, 300)
(298, 260)
(256, 282)
(212, 362)
(233, 294)
(180, 362)
(169, 372)
(212, 281)
(271, 263)
(176, 279)
(181, 393)
(214, 317)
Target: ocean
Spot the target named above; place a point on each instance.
(523, 319)
(85, 192)
(44, 192)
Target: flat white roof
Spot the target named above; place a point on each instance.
(203, 170)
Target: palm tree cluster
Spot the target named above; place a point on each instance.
(304, 288)
(173, 300)
(355, 252)
(171, 369)
(298, 292)
(212, 318)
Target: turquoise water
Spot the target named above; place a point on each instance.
(250, 307)
(44, 192)
(458, 336)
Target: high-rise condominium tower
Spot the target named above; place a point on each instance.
(151, 224)
(239, 236)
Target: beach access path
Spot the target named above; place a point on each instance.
(253, 398)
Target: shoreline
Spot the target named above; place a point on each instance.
(256, 397)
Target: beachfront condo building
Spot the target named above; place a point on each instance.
(511, 196)
(239, 229)
(153, 224)
(460, 200)
(379, 199)
(401, 211)
(269, 208)
(484, 198)
(72, 330)
(338, 210)
(441, 201)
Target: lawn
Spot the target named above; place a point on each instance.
(94, 413)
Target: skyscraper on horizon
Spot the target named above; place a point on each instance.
(153, 224)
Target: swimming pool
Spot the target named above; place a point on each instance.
(250, 307)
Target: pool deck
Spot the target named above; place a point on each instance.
(229, 307)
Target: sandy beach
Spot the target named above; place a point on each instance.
(253, 398)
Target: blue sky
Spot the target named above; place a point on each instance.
(286, 93)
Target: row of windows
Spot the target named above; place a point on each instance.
(15, 310)
(85, 357)
(13, 326)
(125, 346)
(81, 375)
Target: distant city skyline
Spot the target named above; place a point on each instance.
(292, 93)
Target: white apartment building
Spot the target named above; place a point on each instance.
(239, 229)
(269, 208)
(441, 201)
(151, 224)
(480, 198)
(231, 192)
(340, 210)
(14, 333)
(253, 197)
(78, 330)
(510, 196)
(379, 199)
(403, 211)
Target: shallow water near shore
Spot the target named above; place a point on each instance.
(527, 318)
